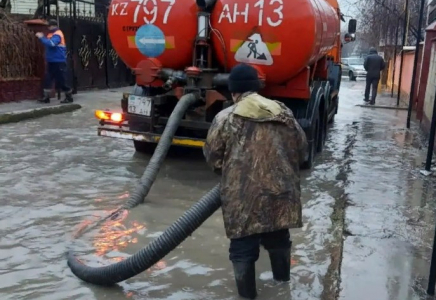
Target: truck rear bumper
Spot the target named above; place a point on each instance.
(148, 137)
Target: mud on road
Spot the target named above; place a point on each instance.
(57, 174)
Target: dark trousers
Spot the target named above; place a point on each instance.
(247, 249)
(56, 71)
(371, 83)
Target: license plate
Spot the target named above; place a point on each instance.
(139, 105)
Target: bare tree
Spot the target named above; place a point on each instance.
(5, 7)
(381, 22)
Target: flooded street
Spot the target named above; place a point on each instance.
(368, 214)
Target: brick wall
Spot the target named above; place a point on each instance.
(430, 90)
(22, 69)
(20, 89)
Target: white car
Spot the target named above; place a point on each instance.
(353, 67)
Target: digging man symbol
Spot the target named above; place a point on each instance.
(253, 50)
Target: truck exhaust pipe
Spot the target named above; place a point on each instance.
(220, 80)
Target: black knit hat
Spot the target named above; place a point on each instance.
(243, 78)
(52, 22)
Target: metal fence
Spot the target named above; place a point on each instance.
(92, 61)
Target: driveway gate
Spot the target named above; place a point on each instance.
(92, 62)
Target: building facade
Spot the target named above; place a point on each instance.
(28, 7)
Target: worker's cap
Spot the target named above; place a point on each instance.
(372, 50)
(243, 78)
(52, 22)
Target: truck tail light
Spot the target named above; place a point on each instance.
(102, 115)
(117, 117)
(109, 116)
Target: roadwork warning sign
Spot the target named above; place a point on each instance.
(254, 51)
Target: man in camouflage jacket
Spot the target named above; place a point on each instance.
(257, 146)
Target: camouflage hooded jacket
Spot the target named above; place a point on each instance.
(257, 146)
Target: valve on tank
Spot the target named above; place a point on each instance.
(206, 5)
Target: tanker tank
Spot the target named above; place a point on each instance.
(178, 47)
(274, 35)
(163, 30)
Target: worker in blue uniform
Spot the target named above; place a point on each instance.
(56, 57)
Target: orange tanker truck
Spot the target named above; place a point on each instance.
(180, 47)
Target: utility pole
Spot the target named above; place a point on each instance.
(415, 64)
(395, 56)
(432, 276)
(405, 28)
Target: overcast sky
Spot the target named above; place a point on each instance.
(348, 10)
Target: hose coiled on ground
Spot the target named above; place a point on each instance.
(152, 169)
(156, 250)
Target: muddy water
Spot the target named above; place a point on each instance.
(56, 175)
(389, 220)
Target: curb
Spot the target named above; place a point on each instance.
(21, 115)
(382, 106)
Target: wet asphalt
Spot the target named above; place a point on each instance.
(368, 214)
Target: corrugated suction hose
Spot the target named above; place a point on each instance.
(156, 250)
(152, 169)
(171, 237)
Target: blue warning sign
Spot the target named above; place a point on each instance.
(150, 40)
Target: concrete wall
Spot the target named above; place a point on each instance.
(430, 90)
(429, 99)
(430, 36)
(406, 78)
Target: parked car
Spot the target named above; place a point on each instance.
(353, 67)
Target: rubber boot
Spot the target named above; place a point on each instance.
(245, 276)
(68, 97)
(46, 98)
(281, 263)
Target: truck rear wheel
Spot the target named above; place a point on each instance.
(335, 101)
(322, 132)
(144, 147)
(308, 164)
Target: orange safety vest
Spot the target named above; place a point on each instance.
(59, 33)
